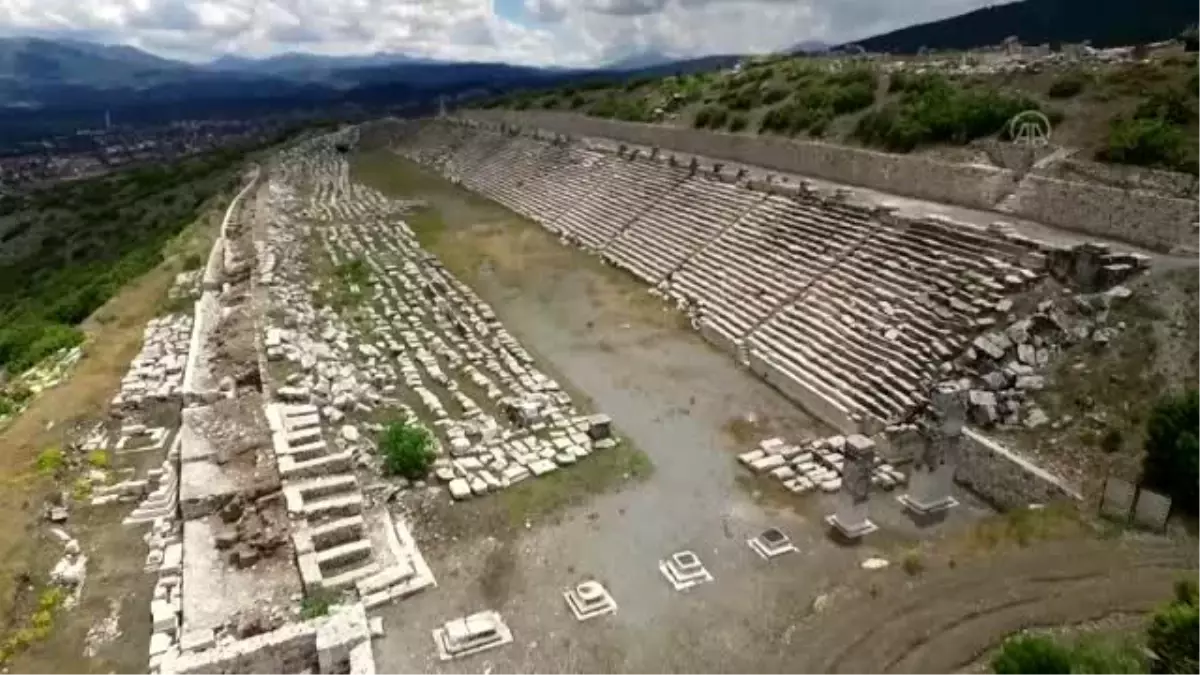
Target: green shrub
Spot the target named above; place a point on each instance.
(1171, 105)
(49, 461)
(773, 95)
(1172, 638)
(99, 459)
(407, 450)
(1068, 85)
(738, 122)
(1112, 440)
(316, 604)
(710, 117)
(1149, 142)
(1031, 654)
(933, 111)
(1172, 451)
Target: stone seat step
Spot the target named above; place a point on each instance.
(303, 437)
(348, 576)
(333, 463)
(305, 451)
(301, 422)
(396, 574)
(343, 554)
(331, 507)
(298, 409)
(335, 532)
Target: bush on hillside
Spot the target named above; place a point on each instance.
(711, 117)
(1150, 143)
(931, 110)
(1068, 85)
(1171, 105)
(1172, 634)
(1031, 654)
(407, 450)
(738, 122)
(1172, 452)
(622, 107)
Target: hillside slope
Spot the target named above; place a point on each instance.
(1106, 23)
(1138, 113)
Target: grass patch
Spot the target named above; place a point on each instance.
(913, 563)
(49, 461)
(316, 604)
(37, 626)
(427, 226)
(602, 471)
(99, 459)
(1022, 527)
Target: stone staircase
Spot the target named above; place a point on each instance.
(340, 542)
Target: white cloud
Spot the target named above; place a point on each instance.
(561, 32)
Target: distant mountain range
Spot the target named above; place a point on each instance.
(1106, 23)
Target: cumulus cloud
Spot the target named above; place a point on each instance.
(560, 32)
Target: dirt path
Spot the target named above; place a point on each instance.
(945, 620)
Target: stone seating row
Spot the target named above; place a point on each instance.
(677, 226)
(855, 305)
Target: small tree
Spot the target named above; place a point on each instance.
(1173, 633)
(1172, 450)
(1031, 654)
(407, 450)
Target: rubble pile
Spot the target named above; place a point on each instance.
(1002, 369)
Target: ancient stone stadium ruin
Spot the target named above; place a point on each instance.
(286, 532)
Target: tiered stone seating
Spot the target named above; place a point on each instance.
(571, 174)
(679, 225)
(763, 261)
(493, 163)
(849, 310)
(872, 329)
(630, 188)
(526, 165)
(476, 156)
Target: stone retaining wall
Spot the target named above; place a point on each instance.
(1003, 477)
(1144, 218)
(976, 186)
(207, 309)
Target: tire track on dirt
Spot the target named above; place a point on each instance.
(950, 617)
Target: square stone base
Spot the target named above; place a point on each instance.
(859, 531)
(584, 612)
(681, 580)
(767, 551)
(926, 509)
(503, 636)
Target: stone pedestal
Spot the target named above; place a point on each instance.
(770, 544)
(589, 600)
(684, 570)
(471, 635)
(932, 478)
(850, 518)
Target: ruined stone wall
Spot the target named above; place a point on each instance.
(976, 186)
(1004, 478)
(1140, 217)
(328, 644)
(1165, 183)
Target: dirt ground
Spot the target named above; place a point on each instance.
(686, 405)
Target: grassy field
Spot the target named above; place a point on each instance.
(1138, 113)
